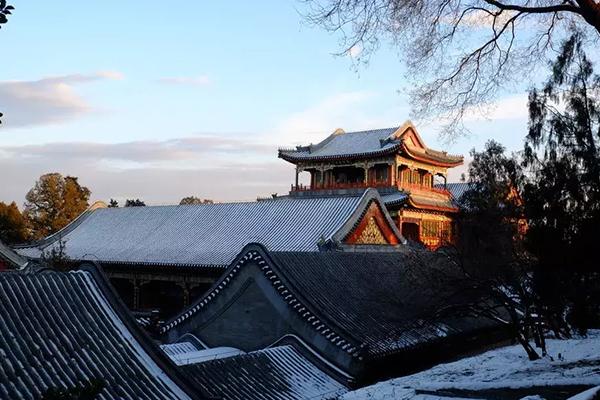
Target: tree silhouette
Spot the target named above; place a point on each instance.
(134, 203)
(562, 199)
(113, 203)
(5, 11)
(194, 200)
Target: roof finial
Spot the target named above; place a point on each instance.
(339, 131)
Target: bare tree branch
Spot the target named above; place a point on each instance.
(459, 54)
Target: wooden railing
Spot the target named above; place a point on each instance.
(427, 188)
(347, 185)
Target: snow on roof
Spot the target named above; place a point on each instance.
(367, 144)
(58, 330)
(281, 373)
(186, 353)
(11, 257)
(347, 144)
(204, 235)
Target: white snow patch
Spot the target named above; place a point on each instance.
(590, 394)
(200, 356)
(569, 362)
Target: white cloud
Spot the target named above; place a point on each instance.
(342, 110)
(114, 75)
(512, 108)
(47, 100)
(219, 168)
(508, 108)
(153, 185)
(180, 153)
(479, 19)
(355, 51)
(201, 80)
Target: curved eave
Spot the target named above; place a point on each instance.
(149, 264)
(449, 163)
(146, 343)
(55, 237)
(6, 253)
(396, 202)
(356, 156)
(415, 204)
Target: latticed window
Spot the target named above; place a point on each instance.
(436, 233)
(381, 173)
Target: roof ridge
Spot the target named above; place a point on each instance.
(256, 252)
(95, 275)
(373, 130)
(224, 203)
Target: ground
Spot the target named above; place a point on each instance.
(572, 366)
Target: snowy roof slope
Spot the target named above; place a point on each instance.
(204, 235)
(15, 260)
(275, 373)
(342, 144)
(185, 353)
(58, 330)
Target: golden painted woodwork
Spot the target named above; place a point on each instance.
(371, 234)
(373, 228)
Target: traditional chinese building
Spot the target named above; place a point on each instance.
(410, 176)
(164, 257)
(363, 313)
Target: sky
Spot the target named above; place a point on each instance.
(159, 101)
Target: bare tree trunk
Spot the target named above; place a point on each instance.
(524, 342)
(590, 11)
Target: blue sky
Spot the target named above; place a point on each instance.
(163, 100)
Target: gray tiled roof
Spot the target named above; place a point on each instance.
(380, 298)
(457, 190)
(396, 198)
(275, 373)
(205, 235)
(59, 330)
(15, 260)
(347, 144)
(367, 303)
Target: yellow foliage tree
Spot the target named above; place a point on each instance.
(53, 202)
(13, 228)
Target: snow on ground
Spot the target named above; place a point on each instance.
(589, 394)
(569, 362)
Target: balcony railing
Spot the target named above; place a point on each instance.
(363, 185)
(347, 185)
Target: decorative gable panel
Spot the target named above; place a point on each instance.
(372, 228)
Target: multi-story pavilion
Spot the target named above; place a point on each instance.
(410, 176)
